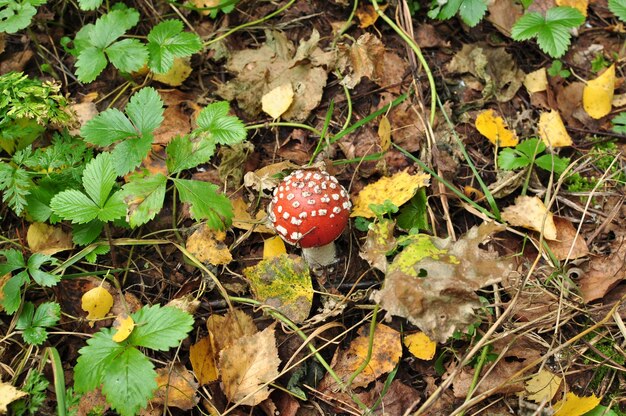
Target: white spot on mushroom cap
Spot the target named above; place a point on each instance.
(281, 230)
(296, 221)
(290, 197)
(279, 209)
(295, 204)
(336, 210)
(321, 212)
(286, 215)
(295, 236)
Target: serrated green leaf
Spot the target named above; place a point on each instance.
(89, 4)
(33, 323)
(26, 316)
(619, 123)
(111, 26)
(99, 178)
(16, 185)
(160, 328)
(448, 10)
(554, 41)
(128, 154)
(15, 16)
(113, 209)
(95, 358)
(108, 127)
(90, 63)
(552, 163)
(206, 203)
(47, 314)
(144, 196)
(83, 234)
(183, 154)
(129, 382)
(14, 260)
(42, 277)
(75, 206)
(127, 55)
(34, 335)
(167, 41)
(222, 128)
(618, 8)
(527, 26)
(509, 159)
(472, 11)
(12, 292)
(531, 147)
(145, 110)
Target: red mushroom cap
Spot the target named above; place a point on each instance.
(309, 208)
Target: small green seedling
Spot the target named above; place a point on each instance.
(16, 15)
(526, 153)
(34, 322)
(557, 70)
(471, 12)
(35, 385)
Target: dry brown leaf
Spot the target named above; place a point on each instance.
(503, 14)
(208, 246)
(187, 303)
(364, 58)
(568, 245)
(248, 366)
(603, 273)
(379, 242)
(530, 212)
(427, 36)
(432, 282)
(386, 351)
(176, 122)
(367, 14)
(244, 221)
(226, 329)
(48, 239)
(203, 359)
(8, 394)
(176, 388)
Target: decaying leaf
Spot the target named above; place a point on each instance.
(542, 386)
(573, 405)
(203, 359)
(244, 221)
(494, 128)
(226, 329)
(248, 366)
(503, 14)
(208, 246)
(530, 212)
(384, 133)
(495, 67)
(9, 394)
(278, 100)
(581, 5)
(568, 244)
(420, 346)
(48, 239)
(379, 242)
(367, 14)
(273, 247)
(97, 302)
(259, 71)
(603, 273)
(124, 324)
(176, 388)
(398, 189)
(386, 351)
(434, 286)
(536, 81)
(552, 130)
(364, 58)
(178, 73)
(598, 94)
(187, 303)
(268, 177)
(283, 282)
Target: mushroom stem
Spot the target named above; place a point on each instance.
(321, 256)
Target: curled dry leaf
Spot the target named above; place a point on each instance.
(268, 177)
(379, 242)
(48, 239)
(8, 394)
(603, 273)
(568, 244)
(283, 282)
(364, 58)
(226, 329)
(244, 221)
(386, 351)
(432, 282)
(248, 366)
(530, 212)
(208, 246)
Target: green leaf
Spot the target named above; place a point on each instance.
(127, 55)
(509, 159)
(108, 127)
(83, 234)
(42, 277)
(16, 185)
(183, 154)
(472, 11)
(14, 260)
(15, 16)
(144, 196)
(160, 328)
(128, 154)
(552, 163)
(89, 4)
(415, 213)
(90, 63)
(26, 316)
(113, 209)
(145, 110)
(99, 178)
(531, 147)
(12, 292)
(75, 206)
(95, 359)
(448, 10)
(167, 41)
(618, 8)
(33, 323)
(111, 26)
(552, 32)
(206, 203)
(47, 314)
(221, 128)
(619, 123)
(129, 382)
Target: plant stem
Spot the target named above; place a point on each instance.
(283, 124)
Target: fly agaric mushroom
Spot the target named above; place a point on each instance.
(310, 209)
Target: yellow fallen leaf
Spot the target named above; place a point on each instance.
(244, 221)
(529, 212)
(536, 81)
(581, 5)
(8, 394)
(273, 247)
(384, 133)
(278, 100)
(494, 128)
(552, 130)
(203, 359)
(177, 74)
(598, 94)
(47, 239)
(420, 346)
(97, 302)
(124, 324)
(542, 386)
(398, 188)
(226, 329)
(208, 246)
(367, 14)
(573, 405)
(176, 388)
